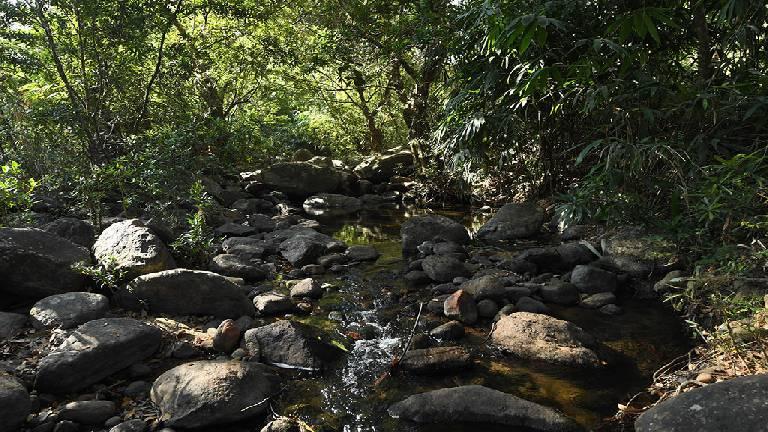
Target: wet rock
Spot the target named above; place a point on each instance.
(309, 288)
(736, 405)
(596, 301)
(135, 425)
(184, 350)
(238, 266)
(417, 230)
(68, 310)
(528, 304)
(540, 337)
(282, 424)
(452, 330)
(272, 304)
(131, 247)
(592, 280)
(206, 393)
(185, 292)
(513, 221)
(301, 179)
(331, 204)
(363, 253)
(487, 308)
(435, 360)
(559, 292)
(94, 351)
(611, 309)
(461, 306)
(443, 268)
(329, 261)
(15, 404)
(35, 264)
(417, 277)
(478, 404)
(92, 412)
(291, 344)
(75, 230)
(227, 336)
(11, 325)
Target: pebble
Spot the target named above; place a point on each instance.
(705, 378)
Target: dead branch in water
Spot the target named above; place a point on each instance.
(396, 359)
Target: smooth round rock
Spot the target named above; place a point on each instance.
(68, 310)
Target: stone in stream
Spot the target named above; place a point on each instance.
(68, 310)
(478, 404)
(15, 404)
(596, 301)
(435, 360)
(94, 351)
(11, 325)
(331, 204)
(540, 337)
(290, 344)
(417, 230)
(92, 412)
(442, 268)
(75, 230)
(461, 306)
(238, 266)
(736, 405)
(513, 221)
(452, 330)
(185, 292)
(206, 393)
(559, 292)
(272, 304)
(307, 288)
(129, 246)
(35, 264)
(485, 287)
(593, 280)
(306, 247)
(362, 253)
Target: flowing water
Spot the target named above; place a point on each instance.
(372, 314)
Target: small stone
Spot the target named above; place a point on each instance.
(461, 306)
(88, 412)
(451, 330)
(227, 336)
(598, 300)
(363, 253)
(272, 304)
(705, 377)
(307, 288)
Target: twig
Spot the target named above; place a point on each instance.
(396, 359)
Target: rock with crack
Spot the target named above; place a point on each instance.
(478, 404)
(207, 393)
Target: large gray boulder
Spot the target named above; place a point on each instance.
(207, 393)
(417, 230)
(513, 221)
(68, 310)
(15, 404)
(130, 247)
(478, 404)
(35, 264)
(736, 405)
(331, 204)
(94, 351)
(382, 167)
(75, 230)
(185, 292)
(290, 344)
(301, 178)
(534, 336)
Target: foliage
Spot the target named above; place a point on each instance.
(106, 277)
(197, 245)
(15, 189)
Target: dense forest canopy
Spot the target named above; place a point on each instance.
(621, 109)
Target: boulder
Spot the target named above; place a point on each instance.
(307, 288)
(94, 351)
(36, 264)
(68, 310)
(478, 404)
(131, 247)
(238, 266)
(461, 306)
(540, 337)
(301, 179)
(11, 325)
(558, 259)
(513, 221)
(443, 268)
(485, 287)
(185, 292)
(559, 292)
(305, 247)
(15, 404)
(362, 253)
(736, 405)
(638, 252)
(528, 304)
(206, 393)
(435, 360)
(592, 280)
(272, 304)
(417, 230)
(382, 167)
(290, 344)
(75, 230)
(331, 204)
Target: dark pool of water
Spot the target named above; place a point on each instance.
(376, 302)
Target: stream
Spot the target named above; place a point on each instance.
(372, 313)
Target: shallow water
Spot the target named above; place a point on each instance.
(378, 306)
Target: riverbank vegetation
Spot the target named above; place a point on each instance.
(647, 112)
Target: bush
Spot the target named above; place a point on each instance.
(15, 189)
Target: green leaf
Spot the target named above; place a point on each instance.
(651, 28)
